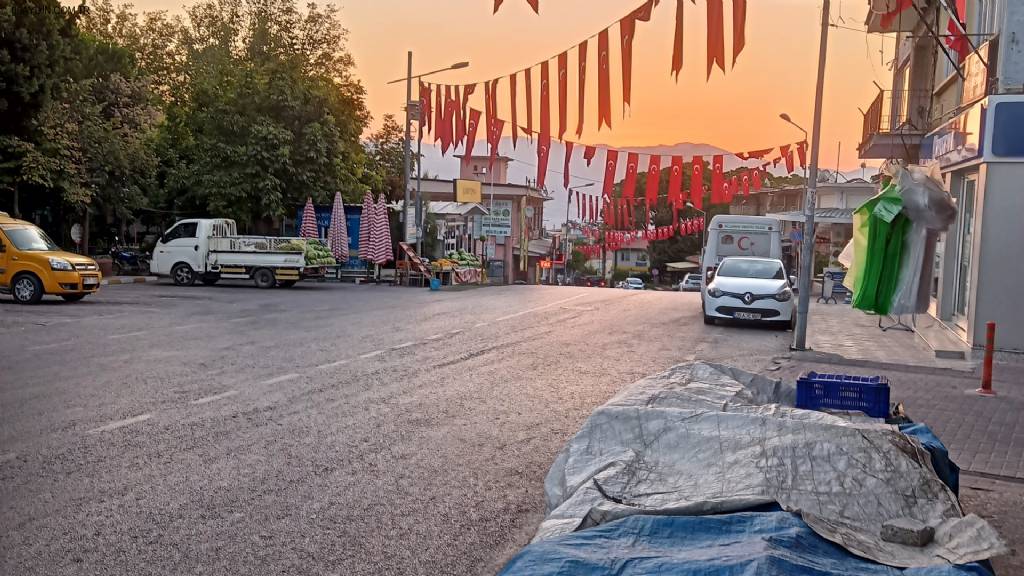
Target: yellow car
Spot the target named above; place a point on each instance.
(32, 265)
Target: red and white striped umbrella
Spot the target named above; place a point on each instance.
(337, 234)
(381, 236)
(365, 228)
(309, 228)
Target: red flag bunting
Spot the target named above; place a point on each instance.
(425, 117)
(488, 113)
(697, 182)
(755, 154)
(677, 42)
(734, 188)
(565, 168)
(787, 155)
(757, 179)
(675, 182)
(716, 35)
(604, 82)
(611, 162)
(515, 109)
(957, 40)
(493, 138)
(801, 151)
(717, 179)
(529, 102)
(544, 139)
(563, 93)
(448, 118)
(471, 128)
(629, 186)
(739, 28)
(582, 86)
(460, 118)
(653, 180)
(746, 182)
(627, 27)
(588, 154)
(438, 112)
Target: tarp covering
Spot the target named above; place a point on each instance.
(761, 543)
(708, 439)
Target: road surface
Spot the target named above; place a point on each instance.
(324, 429)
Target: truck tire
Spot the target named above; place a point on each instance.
(264, 278)
(183, 275)
(287, 283)
(209, 279)
(27, 289)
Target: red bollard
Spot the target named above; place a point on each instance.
(986, 371)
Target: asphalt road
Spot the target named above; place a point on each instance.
(325, 429)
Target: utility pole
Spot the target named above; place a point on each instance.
(407, 152)
(811, 196)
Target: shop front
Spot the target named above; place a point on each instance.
(978, 269)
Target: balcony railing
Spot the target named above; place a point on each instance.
(897, 112)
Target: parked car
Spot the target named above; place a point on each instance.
(591, 281)
(634, 284)
(752, 289)
(32, 265)
(691, 283)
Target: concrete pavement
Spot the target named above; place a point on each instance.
(325, 429)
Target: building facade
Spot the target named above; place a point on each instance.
(956, 101)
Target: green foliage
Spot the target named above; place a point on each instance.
(386, 159)
(578, 262)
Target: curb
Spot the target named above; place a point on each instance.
(830, 358)
(116, 280)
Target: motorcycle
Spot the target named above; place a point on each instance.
(128, 261)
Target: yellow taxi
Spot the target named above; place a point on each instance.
(32, 265)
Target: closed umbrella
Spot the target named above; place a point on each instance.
(309, 228)
(365, 225)
(381, 236)
(337, 235)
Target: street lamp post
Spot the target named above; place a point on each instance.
(811, 194)
(786, 118)
(407, 144)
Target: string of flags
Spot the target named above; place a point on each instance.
(614, 240)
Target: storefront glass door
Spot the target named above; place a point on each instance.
(965, 240)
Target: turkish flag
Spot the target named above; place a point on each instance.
(716, 35)
(697, 182)
(471, 128)
(746, 182)
(627, 27)
(544, 139)
(515, 109)
(535, 4)
(604, 81)
(563, 93)
(529, 102)
(494, 97)
(957, 40)
(757, 179)
(787, 155)
(494, 137)
(717, 179)
(675, 182)
(582, 87)
(488, 113)
(629, 186)
(438, 112)
(606, 209)
(565, 168)
(801, 151)
(588, 154)
(734, 188)
(739, 28)
(611, 163)
(677, 42)
(653, 180)
(425, 118)
(448, 132)
(460, 118)
(756, 154)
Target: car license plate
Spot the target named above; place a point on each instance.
(747, 316)
(89, 281)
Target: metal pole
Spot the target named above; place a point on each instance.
(419, 197)
(406, 153)
(810, 197)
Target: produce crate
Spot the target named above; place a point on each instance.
(868, 394)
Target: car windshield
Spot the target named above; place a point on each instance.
(635, 281)
(30, 239)
(760, 269)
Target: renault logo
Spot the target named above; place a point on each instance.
(748, 298)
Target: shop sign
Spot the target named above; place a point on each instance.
(976, 77)
(499, 221)
(956, 141)
(545, 264)
(468, 191)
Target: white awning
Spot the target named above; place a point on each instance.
(821, 216)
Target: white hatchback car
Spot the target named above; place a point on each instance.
(753, 289)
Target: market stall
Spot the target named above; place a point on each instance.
(459, 267)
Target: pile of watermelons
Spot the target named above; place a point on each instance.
(464, 259)
(318, 254)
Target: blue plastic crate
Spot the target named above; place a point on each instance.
(868, 394)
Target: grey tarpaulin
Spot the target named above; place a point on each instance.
(705, 438)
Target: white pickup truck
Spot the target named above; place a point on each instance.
(210, 249)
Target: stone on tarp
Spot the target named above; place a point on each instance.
(908, 532)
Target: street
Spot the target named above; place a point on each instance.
(325, 429)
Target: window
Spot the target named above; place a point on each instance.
(183, 230)
(30, 239)
(761, 269)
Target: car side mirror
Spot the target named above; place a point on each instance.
(792, 280)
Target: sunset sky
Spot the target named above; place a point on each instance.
(737, 111)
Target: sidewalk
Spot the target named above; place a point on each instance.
(115, 280)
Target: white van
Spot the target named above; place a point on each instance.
(732, 235)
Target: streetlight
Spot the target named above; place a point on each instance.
(811, 192)
(407, 146)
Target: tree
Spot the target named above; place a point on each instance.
(36, 43)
